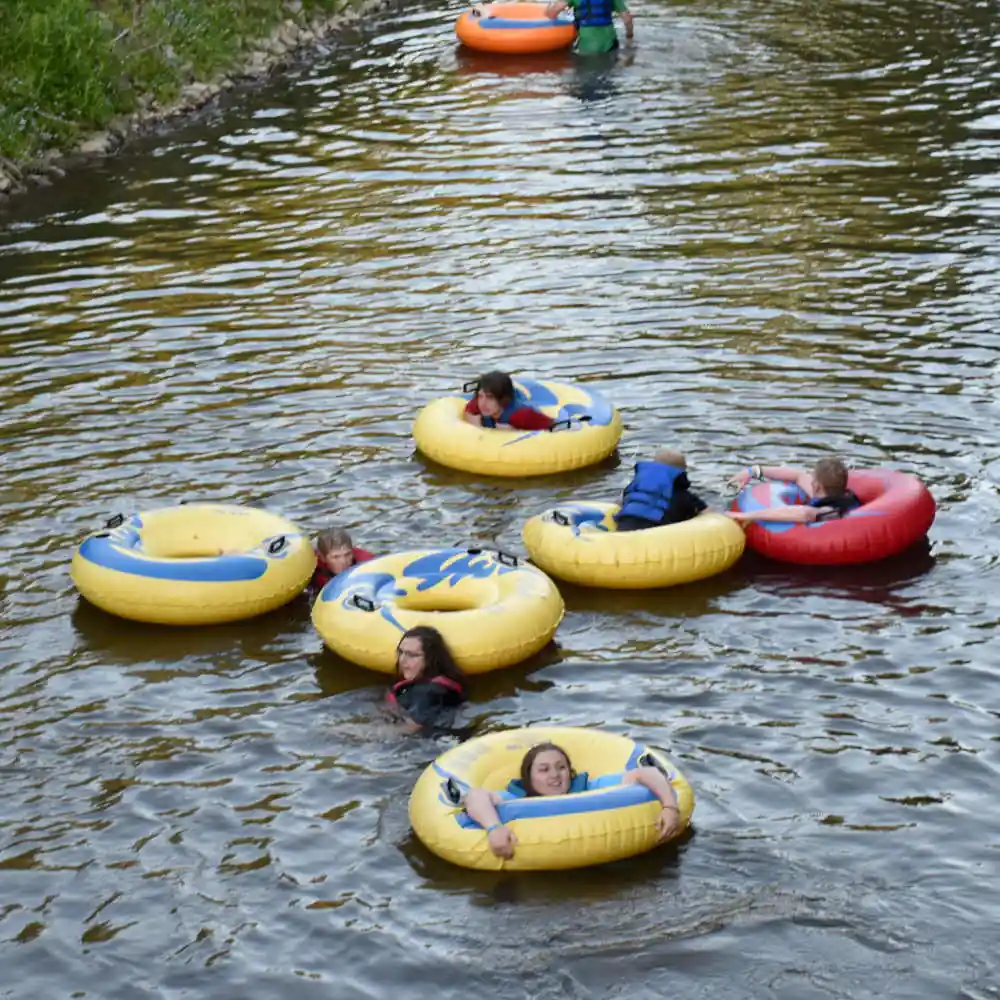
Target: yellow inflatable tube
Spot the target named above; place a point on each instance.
(556, 831)
(491, 609)
(167, 566)
(579, 542)
(588, 431)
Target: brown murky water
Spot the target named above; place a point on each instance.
(769, 231)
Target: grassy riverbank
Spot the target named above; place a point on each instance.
(68, 67)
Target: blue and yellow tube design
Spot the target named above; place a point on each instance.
(587, 431)
(194, 564)
(492, 609)
(554, 831)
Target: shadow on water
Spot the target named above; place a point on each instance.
(470, 62)
(335, 675)
(601, 882)
(877, 583)
(443, 475)
(518, 678)
(686, 601)
(126, 642)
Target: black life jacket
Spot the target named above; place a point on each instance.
(836, 506)
(401, 692)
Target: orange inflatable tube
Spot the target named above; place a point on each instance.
(513, 28)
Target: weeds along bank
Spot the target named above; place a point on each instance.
(79, 76)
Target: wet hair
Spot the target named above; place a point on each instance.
(334, 538)
(438, 661)
(529, 759)
(671, 458)
(831, 474)
(499, 385)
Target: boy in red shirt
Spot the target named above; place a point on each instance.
(498, 404)
(334, 554)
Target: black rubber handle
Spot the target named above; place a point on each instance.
(568, 422)
(453, 792)
(472, 386)
(648, 760)
(365, 603)
(114, 522)
(277, 545)
(560, 518)
(502, 557)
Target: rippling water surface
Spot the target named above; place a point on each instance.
(770, 231)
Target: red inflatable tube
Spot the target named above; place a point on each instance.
(896, 511)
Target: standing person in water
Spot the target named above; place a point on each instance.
(334, 553)
(825, 485)
(546, 770)
(594, 22)
(429, 684)
(498, 404)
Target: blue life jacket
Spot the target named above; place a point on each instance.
(579, 783)
(593, 13)
(649, 494)
(517, 403)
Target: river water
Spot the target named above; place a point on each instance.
(770, 232)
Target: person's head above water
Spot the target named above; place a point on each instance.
(495, 391)
(422, 654)
(546, 770)
(829, 477)
(668, 457)
(335, 550)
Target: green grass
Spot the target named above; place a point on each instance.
(70, 66)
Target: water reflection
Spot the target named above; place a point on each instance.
(606, 884)
(226, 646)
(885, 582)
(485, 65)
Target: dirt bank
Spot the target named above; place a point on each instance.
(298, 31)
